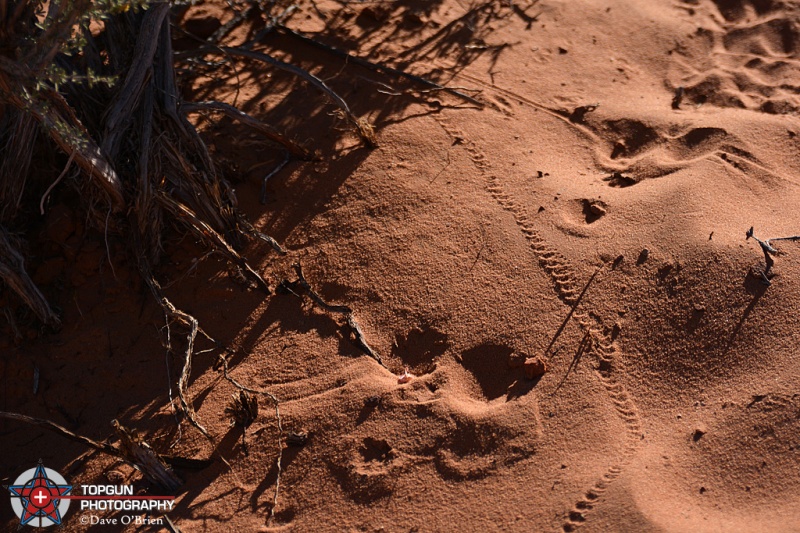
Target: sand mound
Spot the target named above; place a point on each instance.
(592, 214)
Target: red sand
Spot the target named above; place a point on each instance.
(462, 243)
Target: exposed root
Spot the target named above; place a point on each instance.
(132, 449)
(13, 274)
(378, 67)
(191, 323)
(145, 458)
(194, 223)
(360, 340)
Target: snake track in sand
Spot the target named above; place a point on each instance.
(605, 352)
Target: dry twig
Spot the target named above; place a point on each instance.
(377, 67)
(769, 251)
(360, 340)
(363, 127)
(265, 129)
(279, 467)
(13, 274)
(132, 449)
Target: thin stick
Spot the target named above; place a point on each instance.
(58, 179)
(280, 431)
(204, 231)
(576, 359)
(171, 525)
(573, 308)
(247, 226)
(140, 453)
(768, 250)
(133, 450)
(316, 297)
(360, 339)
(268, 176)
(191, 322)
(363, 127)
(14, 275)
(228, 27)
(183, 382)
(236, 114)
(64, 432)
(792, 238)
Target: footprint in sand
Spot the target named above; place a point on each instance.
(744, 54)
(488, 364)
(632, 150)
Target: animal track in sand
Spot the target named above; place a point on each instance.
(470, 451)
(609, 363)
(567, 288)
(744, 54)
(632, 150)
(365, 476)
(419, 349)
(458, 442)
(488, 364)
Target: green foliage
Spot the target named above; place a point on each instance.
(62, 29)
(45, 53)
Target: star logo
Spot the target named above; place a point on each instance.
(37, 497)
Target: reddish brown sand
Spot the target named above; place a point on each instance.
(469, 240)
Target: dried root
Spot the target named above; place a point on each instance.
(132, 449)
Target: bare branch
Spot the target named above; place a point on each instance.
(363, 127)
(268, 131)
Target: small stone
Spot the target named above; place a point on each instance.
(535, 367)
(698, 433)
(596, 209)
(643, 256)
(297, 440)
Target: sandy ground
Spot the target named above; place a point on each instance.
(584, 215)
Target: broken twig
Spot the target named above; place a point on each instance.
(132, 449)
(769, 251)
(247, 390)
(360, 340)
(268, 176)
(265, 129)
(363, 127)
